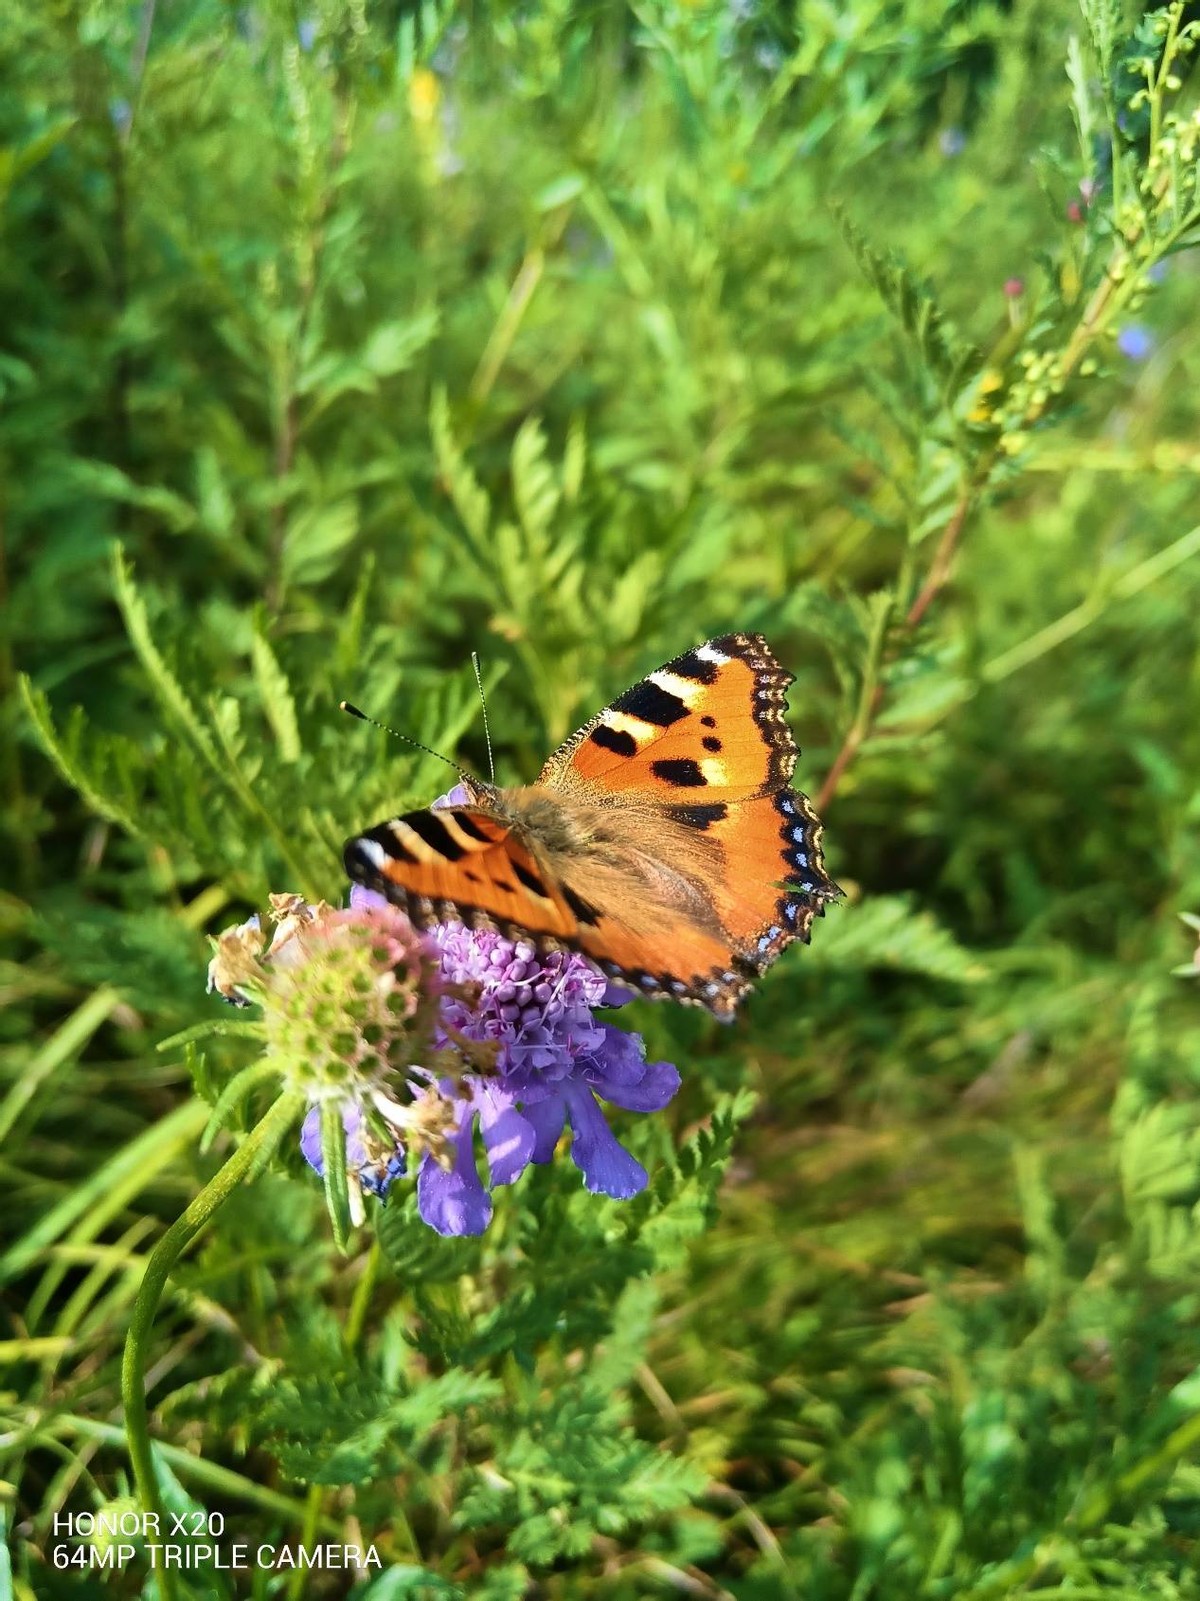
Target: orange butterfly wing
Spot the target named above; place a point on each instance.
(460, 863)
(712, 719)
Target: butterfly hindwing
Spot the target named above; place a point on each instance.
(643, 940)
(774, 882)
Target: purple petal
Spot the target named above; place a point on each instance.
(657, 1085)
(508, 1138)
(310, 1138)
(607, 1167)
(453, 797)
(546, 1120)
(620, 1073)
(454, 1202)
(617, 1057)
(361, 896)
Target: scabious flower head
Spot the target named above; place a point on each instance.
(424, 1040)
(553, 1058)
(349, 1004)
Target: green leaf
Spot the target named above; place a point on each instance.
(535, 488)
(65, 755)
(403, 1581)
(316, 540)
(234, 1094)
(277, 699)
(885, 931)
(949, 359)
(392, 346)
(416, 1252)
(353, 1429)
(105, 479)
(166, 686)
(469, 499)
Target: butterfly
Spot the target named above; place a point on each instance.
(662, 840)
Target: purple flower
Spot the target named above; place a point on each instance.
(425, 1040)
(1135, 341)
(554, 1058)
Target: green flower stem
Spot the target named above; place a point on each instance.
(182, 1232)
(869, 701)
(357, 1317)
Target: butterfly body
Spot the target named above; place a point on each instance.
(662, 839)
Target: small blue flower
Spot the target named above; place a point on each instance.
(306, 33)
(1136, 342)
(952, 141)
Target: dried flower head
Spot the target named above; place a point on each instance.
(352, 1001)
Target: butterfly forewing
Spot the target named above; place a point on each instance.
(711, 719)
(459, 863)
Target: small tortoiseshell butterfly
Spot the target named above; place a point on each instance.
(662, 840)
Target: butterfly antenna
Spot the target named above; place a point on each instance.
(483, 702)
(353, 711)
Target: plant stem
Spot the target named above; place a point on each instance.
(1076, 620)
(167, 1252)
(351, 1336)
(507, 325)
(357, 1317)
(869, 702)
(855, 735)
(943, 556)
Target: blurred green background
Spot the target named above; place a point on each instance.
(573, 333)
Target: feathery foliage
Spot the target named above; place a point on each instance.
(342, 341)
